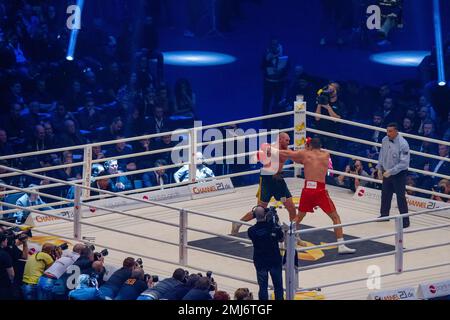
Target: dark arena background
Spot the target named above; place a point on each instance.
(134, 136)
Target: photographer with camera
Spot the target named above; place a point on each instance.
(35, 267)
(164, 286)
(17, 238)
(112, 287)
(202, 289)
(356, 168)
(265, 235)
(47, 281)
(329, 105)
(135, 285)
(442, 187)
(182, 289)
(6, 271)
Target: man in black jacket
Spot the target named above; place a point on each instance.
(266, 254)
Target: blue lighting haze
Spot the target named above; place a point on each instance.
(400, 58)
(197, 58)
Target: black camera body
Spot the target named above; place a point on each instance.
(324, 96)
(212, 287)
(15, 233)
(438, 188)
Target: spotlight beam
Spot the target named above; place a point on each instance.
(73, 36)
(439, 46)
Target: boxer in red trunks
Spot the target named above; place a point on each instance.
(314, 193)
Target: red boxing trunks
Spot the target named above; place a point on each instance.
(314, 195)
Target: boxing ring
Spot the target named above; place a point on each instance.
(201, 240)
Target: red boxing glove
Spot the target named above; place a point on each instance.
(265, 147)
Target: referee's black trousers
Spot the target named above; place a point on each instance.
(397, 184)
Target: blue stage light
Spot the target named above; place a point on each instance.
(197, 58)
(400, 58)
(439, 45)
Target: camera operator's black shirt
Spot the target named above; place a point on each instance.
(117, 279)
(131, 289)
(329, 125)
(5, 263)
(266, 251)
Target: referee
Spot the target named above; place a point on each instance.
(393, 163)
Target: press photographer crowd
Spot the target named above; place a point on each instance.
(79, 272)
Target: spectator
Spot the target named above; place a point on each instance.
(243, 294)
(114, 129)
(157, 177)
(122, 149)
(136, 124)
(144, 162)
(59, 117)
(71, 135)
(165, 142)
(436, 166)
(29, 199)
(184, 99)
(445, 128)
(74, 97)
(375, 136)
(97, 152)
(14, 123)
(38, 142)
(33, 117)
(6, 271)
(424, 103)
(35, 267)
(134, 286)
(411, 182)
(112, 287)
(390, 113)
(101, 183)
(5, 146)
(116, 184)
(50, 137)
(201, 290)
(266, 254)
(202, 171)
(408, 126)
(158, 122)
(163, 99)
(182, 289)
(164, 286)
(424, 115)
(275, 66)
(89, 117)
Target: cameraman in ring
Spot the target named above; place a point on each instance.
(266, 235)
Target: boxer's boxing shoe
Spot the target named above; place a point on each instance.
(343, 249)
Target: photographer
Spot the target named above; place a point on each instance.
(15, 239)
(47, 281)
(35, 267)
(201, 290)
(112, 287)
(265, 236)
(442, 187)
(6, 271)
(182, 289)
(355, 168)
(164, 286)
(135, 285)
(328, 105)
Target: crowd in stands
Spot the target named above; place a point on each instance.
(79, 273)
(115, 90)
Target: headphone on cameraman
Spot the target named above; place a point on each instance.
(256, 207)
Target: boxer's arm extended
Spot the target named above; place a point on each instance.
(296, 156)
